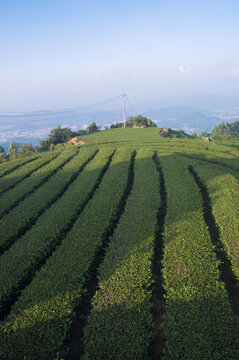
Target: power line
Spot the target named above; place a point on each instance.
(123, 103)
(128, 114)
(40, 113)
(80, 111)
(132, 107)
(124, 96)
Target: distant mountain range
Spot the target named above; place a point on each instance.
(199, 101)
(184, 117)
(192, 112)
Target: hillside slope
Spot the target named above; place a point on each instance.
(120, 248)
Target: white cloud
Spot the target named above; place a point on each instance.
(184, 70)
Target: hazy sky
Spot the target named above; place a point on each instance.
(59, 53)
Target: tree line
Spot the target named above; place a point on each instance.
(57, 136)
(60, 135)
(223, 131)
(226, 130)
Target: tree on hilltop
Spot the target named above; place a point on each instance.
(60, 135)
(57, 135)
(92, 127)
(140, 120)
(135, 121)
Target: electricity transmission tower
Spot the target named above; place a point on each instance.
(123, 102)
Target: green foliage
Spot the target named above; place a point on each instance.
(80, 132)
(195, 295)
(140, 120)
(92, 128)
(29, 250)
(9, 166)
(45, 307)
(135, 121)
(165, 133)
(121, 308)
(169, 133)
(179, 133)
(13, 149)
(27, 150)
(13, 178)
(22, 216)
(19, 150)
(45, 167)
(57, 135)
(53, 213)
(226, 130)
(223, 189)
(117, 125)
(204, 134)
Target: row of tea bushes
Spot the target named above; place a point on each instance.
(120, 323)
(223, 189)
(23, 189)
(22, 172)
(9, 166)
(19, 263)
(40, 319)
(23, 216)
(198, 320)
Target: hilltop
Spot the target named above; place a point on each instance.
(130, 137)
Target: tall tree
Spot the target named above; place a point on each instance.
(13, 149)
(92, 127)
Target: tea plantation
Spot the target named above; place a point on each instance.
(125, 248)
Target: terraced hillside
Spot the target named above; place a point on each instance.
(126, 247)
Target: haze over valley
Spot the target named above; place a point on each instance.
(190, 113)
